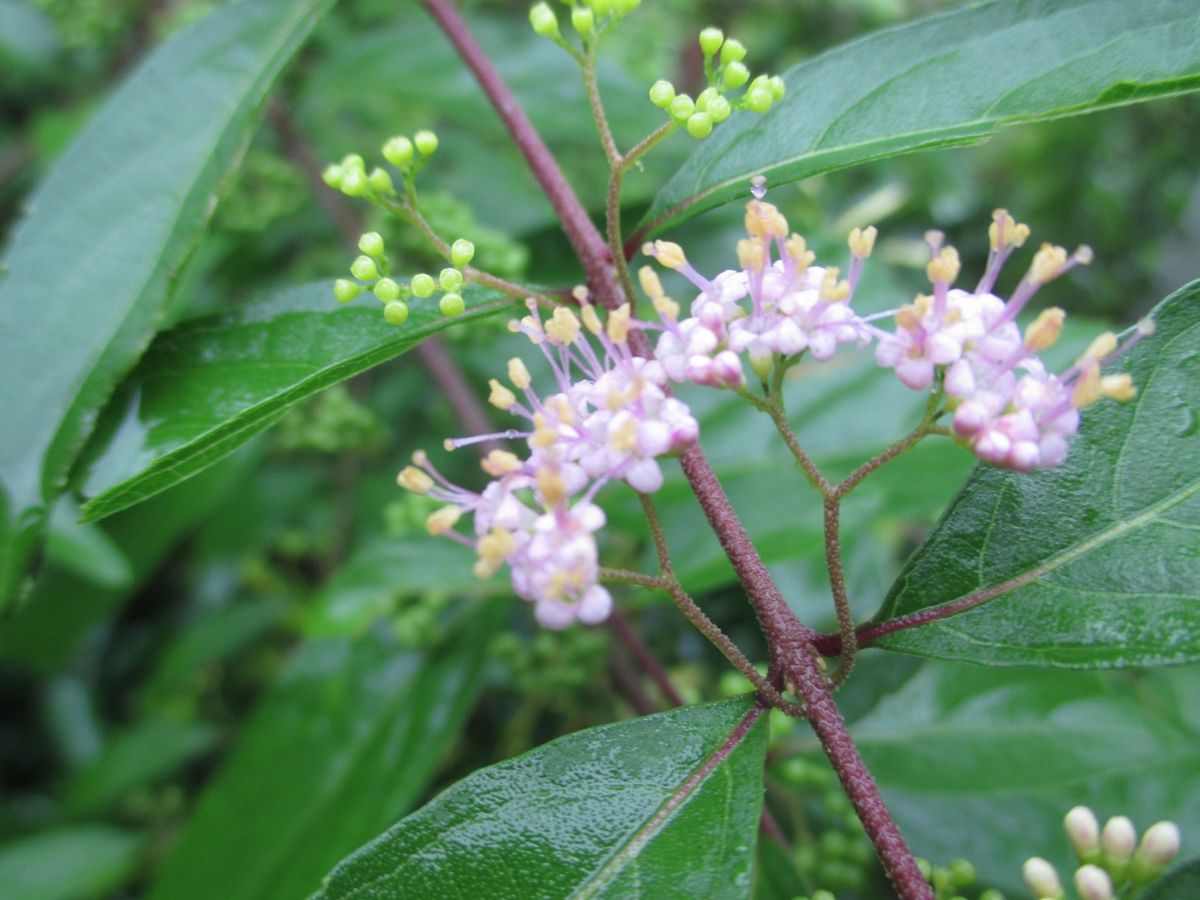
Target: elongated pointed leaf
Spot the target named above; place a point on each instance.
(88, 272)
(206, 387)
(1094, 563)
(345, 742)
(665, 806)
(942, 81)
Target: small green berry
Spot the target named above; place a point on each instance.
(583, 20)
(962, 872)
(777, 87)
(699, 125)
(354, 183)
(759, 99)
(396, 312)
(736, 74)
(662, 93)
(332, 176)
(422, 285)
(353, 161)
(711, 40)
(345, 290)
(426, 142)
(543, 20)
(450, 279)
(681, 107)
(718, 109)
(462, 252)
(398, 151)
(371, 244)
(452, 305)
(732, 51)
(381, 182)
(706, 97)
(364, 269)
(387, 290)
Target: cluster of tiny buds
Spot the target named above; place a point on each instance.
(370, 269)
(1112, 861)
(725, 72)
(589, 18)
(407, 155)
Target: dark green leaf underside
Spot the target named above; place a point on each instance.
(1102, 554)
(942, 81)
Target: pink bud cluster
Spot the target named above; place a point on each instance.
(609, 419)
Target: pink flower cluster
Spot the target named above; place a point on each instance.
(611, 422)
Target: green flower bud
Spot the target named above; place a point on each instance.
(353, 161)
(381, 182)
(450, 279)
(422, 285)
(625, 7)
(396, 312)
(452, 305)
(332, 176)
(735, 75)
(345, 290)
(398, 151)
(583, 20)
(426, 141)
(962, 872)
(732, 51)
(386, 290)
(777, 87)
(354, 183)
(711, 40)
(706, 97)
(601, 7)
(681, 107)
(662, 93)
(543, 20)
(759, 99)
(364, 269)
(718, 109)
(371, 244)
(699, 125)
(462, 252)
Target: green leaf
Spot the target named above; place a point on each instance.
(85, 550)
(946, 80)
(1094, 563)
(666, 805)
(89, 270)
(983, 763)
(207, 386)
(345, 742)
(69, 863)
(1181, 883)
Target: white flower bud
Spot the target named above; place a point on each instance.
(1093, 883)
(1041, 878)
(1160, 844)
(1083, 831)
(1118, 840)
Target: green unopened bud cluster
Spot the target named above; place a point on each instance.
(589, 18)
(408, 155)
(726, 72)
(370, 270)
(951, 881)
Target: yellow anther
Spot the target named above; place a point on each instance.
(624, 439)
(561, 407)
(1102, 346)
(909, 317)
(798, 252)
(751, 254)
(666, 308)
(1047, 263)
(580, 293)
(563, 327)
(670, 255)
(1118, 387)
(500, 397)
(1145, 327)
(532, 328)
(1083, 255)
(499, 463)
(618, 323)
(518, 374)
(543, 435)
(514, 326)
(591, 321)
(1045, 329)
(551, 486)
(650, 283)
(442, 520)
(862, 241)
(1006, 231)
(832, 290)
(493, 548)
(413, 479)
(764, 219)
(944, 267)
(1087, 388)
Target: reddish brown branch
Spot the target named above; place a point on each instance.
(628, 636)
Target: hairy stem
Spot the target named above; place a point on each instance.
(592, 86)
(837, 585)
(910, 440)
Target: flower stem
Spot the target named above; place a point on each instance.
(910, 440)
(837, 585)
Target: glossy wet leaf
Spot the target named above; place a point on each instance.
(70, 862)
(88, 272)
(983, 763)
(941, 81)
(1102, 553)
(666, 805)
(345, 742)
(210, 384)
(85, 550)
